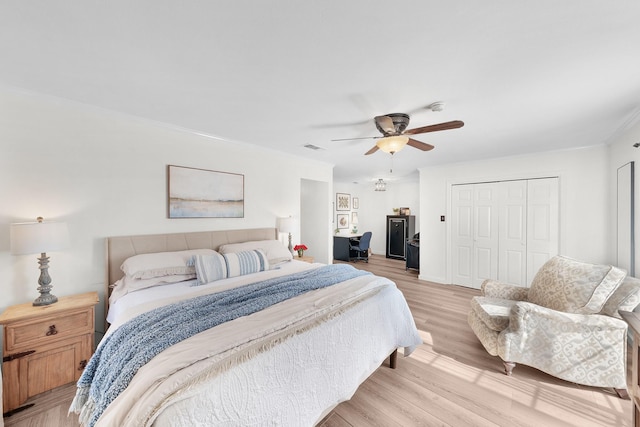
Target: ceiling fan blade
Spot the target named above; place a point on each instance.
(373, 150)
(420, 145)
(386, 124)
(350, 139)
(434, 128)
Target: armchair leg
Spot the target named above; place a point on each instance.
(622, 393)
(508, 368)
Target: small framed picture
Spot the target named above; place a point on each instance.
(405, 211)
(343, 202)
(343, 221)
(356, 203)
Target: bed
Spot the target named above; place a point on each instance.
(253, 337)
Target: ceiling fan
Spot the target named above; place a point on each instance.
(394, 131)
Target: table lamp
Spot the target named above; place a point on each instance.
(40, 237)
(287, 225)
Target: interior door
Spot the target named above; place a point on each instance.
(485, 232)
(503, 230)
(462, 234)
(512, 259)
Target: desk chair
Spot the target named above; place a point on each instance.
(360, 246)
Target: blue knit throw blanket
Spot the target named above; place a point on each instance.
(122, 353)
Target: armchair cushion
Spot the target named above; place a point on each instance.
(572, 286)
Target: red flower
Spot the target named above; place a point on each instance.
(299, 248)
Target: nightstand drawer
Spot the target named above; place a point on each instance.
(29, 334)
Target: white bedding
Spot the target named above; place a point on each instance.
(287, 365)
(149, 297)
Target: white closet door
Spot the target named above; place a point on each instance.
(485, 232)
(543, 223)
(462, 233)
(512, 244)
(503, 230)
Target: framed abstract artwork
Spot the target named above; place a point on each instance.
(201, 193)
(343, 221)
(356, 203)
(343, 202)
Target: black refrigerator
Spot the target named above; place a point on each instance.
(399, 229)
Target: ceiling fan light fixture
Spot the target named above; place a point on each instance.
(392, 144)
(381, 185)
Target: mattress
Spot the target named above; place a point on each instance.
(289, 364)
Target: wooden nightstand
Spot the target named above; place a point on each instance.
(304, 258)
(45, 347)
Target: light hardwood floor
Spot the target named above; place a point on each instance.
(450, 380)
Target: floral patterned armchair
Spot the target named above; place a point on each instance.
(565, 324)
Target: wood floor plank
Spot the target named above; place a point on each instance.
(450, 380)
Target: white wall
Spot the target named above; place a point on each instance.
(376, 205)
(585, 211)
(622, 151)
(315, 220)
(105, 175)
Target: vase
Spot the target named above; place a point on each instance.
(300, 253)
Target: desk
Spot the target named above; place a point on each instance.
(341, 246)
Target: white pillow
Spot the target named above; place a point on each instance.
(160, 264)
(128, 284)
(275, 251)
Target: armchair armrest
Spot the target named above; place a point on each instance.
(495, 289)
(587, 349)
(526, 316)
(550, 330)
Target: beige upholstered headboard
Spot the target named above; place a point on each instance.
(120, 248)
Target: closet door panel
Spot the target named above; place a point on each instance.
(543, 223)
(485, 226)
(503, 230)
(484, 265)
(462, 268)
(462, 234)
(513, 239)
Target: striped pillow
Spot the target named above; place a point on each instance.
(246, 262)
(210, 268)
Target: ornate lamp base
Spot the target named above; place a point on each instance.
(45, 299)
(44, 281)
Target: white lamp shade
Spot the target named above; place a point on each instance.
(287, 225)
(38, 237)
(392, 144)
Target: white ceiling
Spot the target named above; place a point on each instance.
(523, 76)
